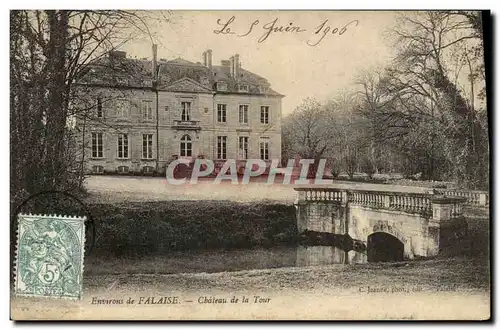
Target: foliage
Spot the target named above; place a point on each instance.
(149, 227)
(439, 119)
(424, 114)
(49, 51)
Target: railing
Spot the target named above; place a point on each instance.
(321, 194)
(406, 202)
(187, 124)
(420, 203)
(473, 197)
(456, 209)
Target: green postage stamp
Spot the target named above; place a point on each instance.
(49, 256)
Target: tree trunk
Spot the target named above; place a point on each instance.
(57, 98)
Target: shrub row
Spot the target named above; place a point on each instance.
(157, 227)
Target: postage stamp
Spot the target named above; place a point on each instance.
(49, 256)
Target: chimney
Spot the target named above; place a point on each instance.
(236, 65)
(118, 54)
(204, 58)
(154, 64)
(231, 66)
(209, 59)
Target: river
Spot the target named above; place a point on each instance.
(211, 261)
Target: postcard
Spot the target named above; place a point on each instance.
(250, 165)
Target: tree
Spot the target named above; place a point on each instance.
(49, 51)
(333, 131)
(429, 115)
(306, 130)
(373, 96)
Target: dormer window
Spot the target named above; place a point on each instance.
(262, 89)
(222, 86)
(204, 80)
(243, 88)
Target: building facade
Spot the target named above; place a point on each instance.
(143, 114)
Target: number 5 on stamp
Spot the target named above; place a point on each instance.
(49, 256)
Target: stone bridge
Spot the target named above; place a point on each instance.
(393, 224)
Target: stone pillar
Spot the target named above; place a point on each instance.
(387, 201)
(482, 199)
(343, 227)
(319, 215)
(302, 216)
(443, 208)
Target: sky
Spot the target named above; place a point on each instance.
(319, 56)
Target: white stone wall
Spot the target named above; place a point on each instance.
(254, 130)
(203, 110)
(411, 229)
(322, 217)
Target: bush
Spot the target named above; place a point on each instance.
(159, 227)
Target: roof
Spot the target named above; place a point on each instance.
(127, 72)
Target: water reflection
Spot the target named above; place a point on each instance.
(218, 260)
(356, 257)
(323, 248)
(327, 255)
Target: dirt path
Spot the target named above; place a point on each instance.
(120, 188)
(438, 289)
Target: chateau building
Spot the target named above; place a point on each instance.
(142, 114)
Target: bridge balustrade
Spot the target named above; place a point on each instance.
(473, 197)
(406, 202)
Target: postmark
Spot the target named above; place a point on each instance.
(49, 256)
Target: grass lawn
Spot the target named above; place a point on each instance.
(453, 274)
(115, 189)
(440, 289)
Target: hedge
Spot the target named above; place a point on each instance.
(159, 227)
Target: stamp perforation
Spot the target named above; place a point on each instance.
(77, 234)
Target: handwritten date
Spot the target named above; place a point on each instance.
(275, 27)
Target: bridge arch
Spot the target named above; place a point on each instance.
(382, 246)
(387, 227)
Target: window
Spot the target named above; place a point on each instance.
(221, 86)
(264, 115)
(186, 146)
(97, 169)
(97, 145)
(99, 108)
(243, 114)
(264, 149)
(147, 110)
(243, 147)
(123, 169)
(221, 113)
(243, 88)
(147, 146)
(123, 146)
(148, 169)
(122, 108)
(221, 147)
(186, 111)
